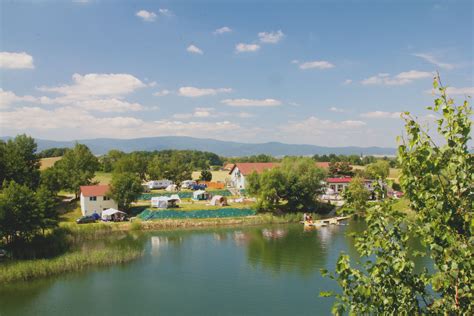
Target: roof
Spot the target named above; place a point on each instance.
(339, 180)
(228, 166)
(324, 165)
(247, 168)
(94, 190)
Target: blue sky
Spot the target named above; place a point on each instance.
(331, 73)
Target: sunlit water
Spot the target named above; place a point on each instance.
(265, 270)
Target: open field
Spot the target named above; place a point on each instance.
(220, 176)
(46, 163)
(103, 177)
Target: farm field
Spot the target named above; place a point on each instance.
(220, 176)
(46, 163)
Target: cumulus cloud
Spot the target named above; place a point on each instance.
(433, 60)
(400, 79)
(245, 48)
(162, 93)
(317, 125)
(347, 81)
(194, 50)
(8, 97)
(271, 37)
(147, 16)
(222, 30)
(46, 123)
(9, 60)
(460, 91)
(316, 64)
(165, 12)
(337, 110)
(85, 86)
(194, 92)
(381, 114)
(252, 102)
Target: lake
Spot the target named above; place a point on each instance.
(263, 270)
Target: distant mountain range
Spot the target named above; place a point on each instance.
(224, 148)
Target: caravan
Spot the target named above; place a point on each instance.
(159, 184)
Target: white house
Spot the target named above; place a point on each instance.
(241, 170)
(335, 187)
(94, 199)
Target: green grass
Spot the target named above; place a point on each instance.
(75, 261)
(103, 177)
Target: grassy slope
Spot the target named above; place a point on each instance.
(48, 162)
(216, 175)
(103, 177)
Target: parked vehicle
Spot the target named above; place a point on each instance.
(86, 220)
(198, 187)
(159, 184)
(187, 184)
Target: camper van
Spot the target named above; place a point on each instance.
(159, 184)
(188, 184)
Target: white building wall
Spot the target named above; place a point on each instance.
(237, 179)
(89, 207)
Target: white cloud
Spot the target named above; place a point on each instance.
(207, 112)
(110, 105)
(433, 60)
(194, 92)
(245, 48)
(21, 60)
(295, 61)
(57, 123)
(92, 85)
(318, 64)
(194, 49)
(347, 81)
(165, 12)
(252, 102)
(460, 91)
(222, 30)
(337, 110)
(314, 125)
(271, 37)
(162, 93)
(381, 114)
(81, 1)
(8, 97)
(146, 16)
(400, 79)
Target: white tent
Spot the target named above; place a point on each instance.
(111, 213)
(159, 201)
(176, 198)
(172, 188)
(218, 200)
(200, 195)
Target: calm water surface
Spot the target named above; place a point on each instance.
(264, 270)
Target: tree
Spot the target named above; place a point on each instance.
(20, 162)
(438, 180)
(125, 188)
(20, 218)
(51, 179)
(206, 175)
(292, 187)
(135, 162)
(357, 195)
(46, 202)
(378, 170)
(77, 167)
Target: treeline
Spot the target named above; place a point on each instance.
(53, 152)
(354, 159)
(254, 158)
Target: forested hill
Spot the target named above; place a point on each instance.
(224, 148)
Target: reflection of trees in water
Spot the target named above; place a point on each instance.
(291, 251)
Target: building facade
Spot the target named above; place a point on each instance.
(94, 199)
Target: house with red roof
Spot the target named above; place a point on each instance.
(95, 199)
(241, 170)
(335, 187)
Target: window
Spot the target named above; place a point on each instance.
(106, 198)
(93, 198)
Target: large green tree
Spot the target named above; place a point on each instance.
(77, 167)
(20, 162)
(292, 187)
(437, 175)
(125, 188)
(378, 170)
(356, 196)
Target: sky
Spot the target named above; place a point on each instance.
(329, 73)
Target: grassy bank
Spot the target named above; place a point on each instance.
(75, 261)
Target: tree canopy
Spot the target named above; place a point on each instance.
(125, 188)
(437, 175)
(292, 187)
